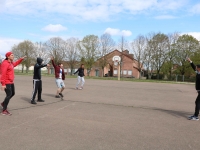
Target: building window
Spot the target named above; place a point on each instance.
(115, 71)
(130, 72)
(125, 72)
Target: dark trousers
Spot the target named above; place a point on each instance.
(10, 92)
(37, 89)
(197, 105)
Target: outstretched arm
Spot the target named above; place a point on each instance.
(76, 71)
(192, 64)
(18, 61)
(53, 63)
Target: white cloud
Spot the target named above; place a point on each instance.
(119, 32)
(196, 9)
(170, 4)
(126, 33)
(6, 44)
(87, 9)
(194, 34)
(54, 28)
(165, 17)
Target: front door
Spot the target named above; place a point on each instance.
(97, 73)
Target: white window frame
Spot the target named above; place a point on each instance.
(115, 71)
(130, 72)
(124, 72)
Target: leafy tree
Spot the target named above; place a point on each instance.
(186, 46)
(89, 51)
(168, 66)
(25, 48)
(159, 49)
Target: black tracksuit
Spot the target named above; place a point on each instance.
(80, 72)
(37, 82)
(197, 86)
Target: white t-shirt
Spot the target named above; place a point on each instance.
(60, 74)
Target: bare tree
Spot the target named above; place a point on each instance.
(89, 51)
(42, 52)
(56, 47)
(71, 52)
(122, 45)
(139, 46)
(25, 48)
(148, 63)
(106, 46)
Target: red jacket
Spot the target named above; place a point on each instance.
(7, 71)
(57, 71)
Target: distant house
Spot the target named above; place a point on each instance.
(128, 65)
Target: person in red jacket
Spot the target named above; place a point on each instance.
(60, 76)
(7, 79)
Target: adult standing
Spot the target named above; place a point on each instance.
(197, 86)
(80, 78)
(37, 82)
(60, 77)
(7, 79)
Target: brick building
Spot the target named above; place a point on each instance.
(128, 66)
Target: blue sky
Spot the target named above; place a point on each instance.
(39, 20)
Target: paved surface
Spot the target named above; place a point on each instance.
(106, 115)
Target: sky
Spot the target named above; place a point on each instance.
(40, 20)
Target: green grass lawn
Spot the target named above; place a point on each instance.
(44, 73)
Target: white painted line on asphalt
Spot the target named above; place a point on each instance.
(32, 120)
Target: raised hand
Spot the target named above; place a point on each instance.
(188, 59)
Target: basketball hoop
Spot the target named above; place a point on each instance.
(116, 62)
(116, 58)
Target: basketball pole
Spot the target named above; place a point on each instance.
(118, 71)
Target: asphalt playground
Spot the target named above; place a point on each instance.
(105, 115)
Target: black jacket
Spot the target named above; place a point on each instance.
(197, 84)
(37, 69)
(80, 72)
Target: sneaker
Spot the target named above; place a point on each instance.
(61, 94)
(193, 118)
(76, 88)
(2, 105)
(57, 96)
(41, 100)
(80, 88)
(5, 112)
(33, 102)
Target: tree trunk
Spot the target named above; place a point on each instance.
(102, 71)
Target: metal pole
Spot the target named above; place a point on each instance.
(118, 71)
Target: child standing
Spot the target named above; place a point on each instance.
(80, 77)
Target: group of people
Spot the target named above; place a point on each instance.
(7, 79)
